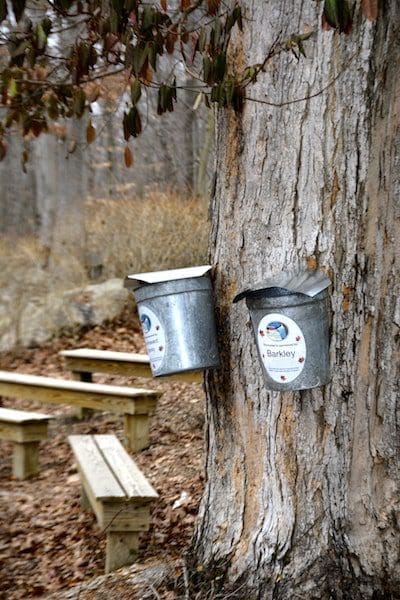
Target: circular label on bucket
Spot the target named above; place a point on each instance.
(282, 347)
(154, 336)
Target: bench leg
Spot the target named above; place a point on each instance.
(122, 548)
(25, 459)
(137, 432)
(85, 502)
(81, 412)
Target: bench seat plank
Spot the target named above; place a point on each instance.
(124, 400)
(87, 360)
(131, 479)
(10, 415)
(128, 357)
(94, 469)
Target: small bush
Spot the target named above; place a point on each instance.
(25, 268)
(161, 231)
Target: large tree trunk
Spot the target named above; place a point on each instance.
(302, 492)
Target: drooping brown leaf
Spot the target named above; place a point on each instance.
(90, 132)
(3, 149)
(93, 92)
(18, 8)
(212, 6)
(24, 159)
(324, 24)
(136, 91)
(128, 157)
(185, 4)
(337, 14)
(147, 72)
(12, 88)
(195, 46)
(38, 126)
(163, 4)
(41, 73)
(3, 10)
(52, 107)
(171, 38)
(370, 9)
(72, 146)
(79, 102)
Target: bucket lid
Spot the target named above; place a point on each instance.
(309, 283)
(139, 279)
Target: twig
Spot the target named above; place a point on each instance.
(186, 581)
(232, 594)
(154, 592)
(280, 104)
(271, 53)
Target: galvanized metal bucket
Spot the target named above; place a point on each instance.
(176, 310)
(290, 319)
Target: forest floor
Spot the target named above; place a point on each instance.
(47, 542)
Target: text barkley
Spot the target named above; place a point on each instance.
(280, 353)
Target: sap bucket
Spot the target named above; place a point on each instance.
(290, 319)
(176, 310)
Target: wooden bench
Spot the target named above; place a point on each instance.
(26, 430)
(118, 493)
(134, 403)
(85, 361)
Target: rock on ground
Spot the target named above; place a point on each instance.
(46, 316)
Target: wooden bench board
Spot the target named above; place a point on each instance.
(129, 476)
(20, 426)
(109, 471)
(10, 415)
(94, 469)
(120, 399)
(128, 357)
(118, 363)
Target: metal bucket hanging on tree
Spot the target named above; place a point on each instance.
(176, 311)
(290, 319)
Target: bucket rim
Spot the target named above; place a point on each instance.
(303, 283)
(137, 280)
(274, 292)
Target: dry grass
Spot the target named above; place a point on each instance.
(25, 264)
(19, 256)
(162, 231)
(27, 278)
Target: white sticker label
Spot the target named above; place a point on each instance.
(154, 337)
(282, 347)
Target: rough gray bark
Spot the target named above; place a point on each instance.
(302, 492)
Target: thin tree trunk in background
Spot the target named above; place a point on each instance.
(62, 189)
(19, 213)
(302, 491)
(205, 155)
